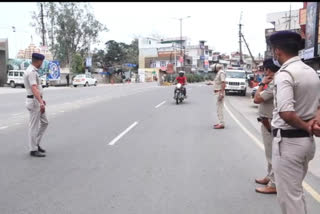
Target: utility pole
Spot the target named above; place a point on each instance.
(245, 42)
(240, 46)
(290, 18)
(43, 30)
(180, 36)
(180, 19)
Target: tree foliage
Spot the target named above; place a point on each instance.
(116, 54)
(77, 65)
(70, 28)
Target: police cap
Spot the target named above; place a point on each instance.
(284, 37)
(268, 64)
(37, 56)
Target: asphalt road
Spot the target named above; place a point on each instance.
(129, 149)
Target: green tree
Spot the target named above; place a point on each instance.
(70, 28)
(133, 53)
(116, 54)
(77, 65)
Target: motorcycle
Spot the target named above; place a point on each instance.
(178, 95)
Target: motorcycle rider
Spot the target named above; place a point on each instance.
(183, 81)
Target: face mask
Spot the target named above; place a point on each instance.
(276, 62)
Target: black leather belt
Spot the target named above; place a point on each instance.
(291, 133)
(32, 96)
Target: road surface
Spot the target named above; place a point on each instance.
(129, 149)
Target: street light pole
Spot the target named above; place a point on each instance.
(180, 19)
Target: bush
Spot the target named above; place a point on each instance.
(194, 78)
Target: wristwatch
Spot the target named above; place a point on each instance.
(262, 84)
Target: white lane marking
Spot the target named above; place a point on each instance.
(17, 123)
(122, 134)
(3, 127)
(160, 104)
(307, 186)
(62, 111)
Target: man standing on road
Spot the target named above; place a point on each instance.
(38, 121)
(219, 87)
(296, 100)
(68, 79)
(265, 99)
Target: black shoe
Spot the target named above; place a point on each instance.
(37, 154)
(41, 149)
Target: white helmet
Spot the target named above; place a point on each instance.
(181, 72)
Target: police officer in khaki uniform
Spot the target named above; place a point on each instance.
(38, 121)
(264, 97)
(296, 100)
(219, 91)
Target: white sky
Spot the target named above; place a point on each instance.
(215, 22)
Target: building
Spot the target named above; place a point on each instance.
(3, 60)
(27, 53)
(156, 54)
(286, 20)
(310, 31)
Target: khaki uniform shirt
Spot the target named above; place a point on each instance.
(297, 92)
(31, 77)
(266, 107)
(220, 77)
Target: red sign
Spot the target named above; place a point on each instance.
(181, 59)
(170, 68)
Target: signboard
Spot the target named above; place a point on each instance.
(51, 68)
(170, 68)
(202, 57)
(54, 70)
(130, 65)
(181, 59)
(302, 16)
(311, 40)
(88, 62)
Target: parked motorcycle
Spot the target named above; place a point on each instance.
(178, 95)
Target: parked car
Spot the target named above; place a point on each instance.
(15, 78)
(84, 80)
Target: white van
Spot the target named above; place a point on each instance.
(236, 81)
(15, 77)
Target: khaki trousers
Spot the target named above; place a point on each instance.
(38, 123)
(267, 141)
(290, 159)
(220, 107)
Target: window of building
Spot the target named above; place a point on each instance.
(153, 64)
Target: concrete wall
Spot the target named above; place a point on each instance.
(3, 61)
(3, 68)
